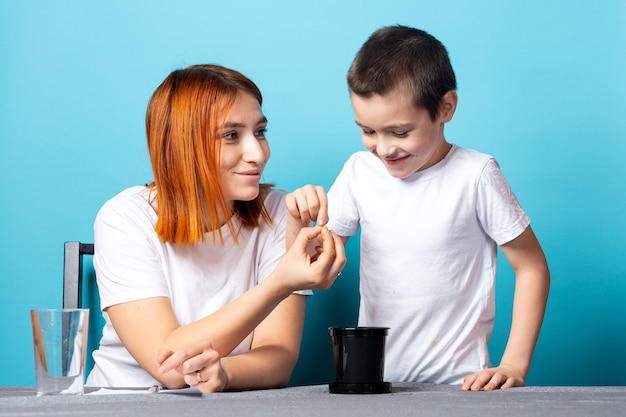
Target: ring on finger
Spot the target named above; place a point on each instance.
(339, 273)
(199, 377)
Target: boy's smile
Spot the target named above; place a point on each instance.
(402, 136)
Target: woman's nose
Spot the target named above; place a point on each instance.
(254, 151)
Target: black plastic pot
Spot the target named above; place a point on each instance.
(359, 354)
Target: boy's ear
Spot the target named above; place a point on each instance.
(448, 106)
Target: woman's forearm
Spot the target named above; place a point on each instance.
(227, 327)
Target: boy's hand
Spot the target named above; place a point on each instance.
(489, 379)
(308, 204)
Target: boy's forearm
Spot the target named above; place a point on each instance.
(529, 305)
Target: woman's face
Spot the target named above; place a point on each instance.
(244, 149)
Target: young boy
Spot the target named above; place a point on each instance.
(432, 215)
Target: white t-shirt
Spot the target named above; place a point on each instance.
(428, 258)
(131, 263)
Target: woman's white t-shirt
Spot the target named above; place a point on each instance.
(131, 263)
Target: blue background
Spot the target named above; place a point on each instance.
(541, 87)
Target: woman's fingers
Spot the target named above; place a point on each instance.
(304, 238)
(199, 365)
(332, 250)
(331, 258)
(303, 269)
(172, 361)
(185, 360)
(163, 355)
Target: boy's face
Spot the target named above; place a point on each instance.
(403, 137)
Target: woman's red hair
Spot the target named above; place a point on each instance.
(182, 122)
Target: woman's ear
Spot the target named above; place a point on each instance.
(448, 106)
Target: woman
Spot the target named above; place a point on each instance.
(195, 284)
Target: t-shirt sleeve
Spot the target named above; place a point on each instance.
(498, 209)
(126, 263)
(343, 213)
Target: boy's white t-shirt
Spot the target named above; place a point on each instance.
(428, 258)
(131, 263)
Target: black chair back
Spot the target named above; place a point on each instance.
(73, 273)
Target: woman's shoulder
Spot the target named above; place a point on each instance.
(136, 200)
(131, 195)
(274, 199)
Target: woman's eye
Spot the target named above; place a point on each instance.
(261, 133)
(401, 134)
(367, 132)
(229, 135)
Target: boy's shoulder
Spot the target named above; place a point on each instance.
(458, 152)
(469, 152)
(467, 163)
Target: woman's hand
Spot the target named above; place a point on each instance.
(199, 364)
(493, 378)
(299, 270)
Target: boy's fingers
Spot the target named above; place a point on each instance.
(310, 203)
(322, 216)
(322, 206)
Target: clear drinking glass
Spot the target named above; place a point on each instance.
(60, 348)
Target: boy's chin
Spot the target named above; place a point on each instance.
(399, 174)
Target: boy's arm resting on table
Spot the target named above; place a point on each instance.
(532, 284)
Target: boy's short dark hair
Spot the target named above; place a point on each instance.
(401, 56)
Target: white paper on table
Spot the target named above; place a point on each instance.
(151, 390)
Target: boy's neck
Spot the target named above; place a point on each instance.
(438, 156)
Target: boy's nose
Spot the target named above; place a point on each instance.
(383, 146)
